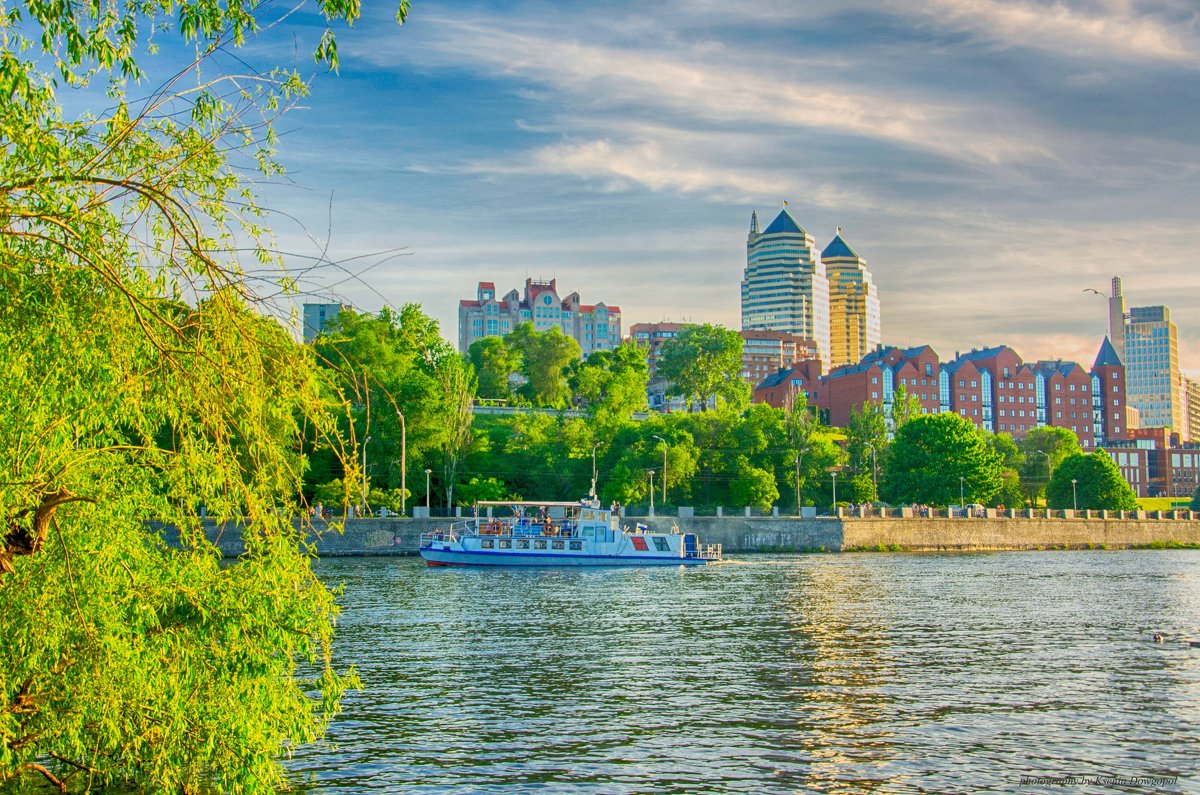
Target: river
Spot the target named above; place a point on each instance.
(887, 673)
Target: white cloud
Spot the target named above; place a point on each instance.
(1114, 30)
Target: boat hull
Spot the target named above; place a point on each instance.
(453, 557)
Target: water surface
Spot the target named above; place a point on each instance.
(817, 673)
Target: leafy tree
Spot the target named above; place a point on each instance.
(866, 444)
(122, 662)
(754, 486)
(1010, 493)
(479, 488)
(457, 381)
(932, 452)
(810, 448)
(1044, 449)
(904, 406)
(612, 384)
(388, 366)
(545, 357)
(495, 363)
(703, 363)
(1098, 484)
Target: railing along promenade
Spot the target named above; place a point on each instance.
(887, 529)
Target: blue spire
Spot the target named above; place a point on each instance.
(1107, 357)
(784, 222)
(838, 248)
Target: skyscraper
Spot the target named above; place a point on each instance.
(854, 321)
(784, 287)
(1152, 367)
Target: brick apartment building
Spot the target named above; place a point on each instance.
(991, 387)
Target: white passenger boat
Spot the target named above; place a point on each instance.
(559, 534)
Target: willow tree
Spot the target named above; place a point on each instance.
(141, 381)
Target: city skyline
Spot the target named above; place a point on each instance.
(996, 159)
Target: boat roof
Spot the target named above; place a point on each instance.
(536, 503)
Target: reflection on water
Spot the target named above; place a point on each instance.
(848, 673)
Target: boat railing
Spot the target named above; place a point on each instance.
(519, 528)
(708, 551)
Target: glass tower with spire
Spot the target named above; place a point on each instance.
(784, 287)
(854, 317)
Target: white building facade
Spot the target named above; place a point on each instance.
(595, 327)
(784, 287)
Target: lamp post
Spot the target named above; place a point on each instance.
(874, 474)
(1074, 494)
(961, 501)
(362, 511)
(664, 479)
(651, 472)
(427, 472)
(799, 456)
(403, 464)
(596, 445)
(834, 492)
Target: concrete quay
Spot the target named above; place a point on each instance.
(742, 534)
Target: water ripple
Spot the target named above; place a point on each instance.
(827, 674)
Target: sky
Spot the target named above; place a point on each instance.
(990, 159)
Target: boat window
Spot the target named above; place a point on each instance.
(505, 543)
(576, 545)
(661, 544)
(522, 544)
(639, 544)
(539, 544)
(488, 543)
(586, 514)
(556, 545)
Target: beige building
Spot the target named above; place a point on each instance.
(1191, 409)
(854, 315)
(595, 327)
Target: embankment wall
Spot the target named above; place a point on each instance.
(783, 534)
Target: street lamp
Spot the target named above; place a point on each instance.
(596, 445)
(651, 472)
(960, 492)
(427, 471)
(664, 485)
(1074, 494)
(363, 509)
(874, 474)
(834, 492)
(799, 455)
(403, 464)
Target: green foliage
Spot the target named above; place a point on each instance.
(904, 406)
(1098, 485)
(480, 488)
(495, 363)
(931, 452)
(124, 662)
(545, 357)
(1043, 449)
(612, 384)
(867, 447)
(754, 486)
(703, 363)
(388, 364)
(1195, 506)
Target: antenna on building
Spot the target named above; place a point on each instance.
(754, 222)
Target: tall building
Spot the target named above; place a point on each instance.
(595, 327)
(854, 320)
(1110, 418)
(1152, 367)
(318, 316)
(1117, 318)
(1191, 413)
(784, 287)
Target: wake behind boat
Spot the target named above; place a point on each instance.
(559, 534)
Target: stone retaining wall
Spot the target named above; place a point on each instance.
(784, 534)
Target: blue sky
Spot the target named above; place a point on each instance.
(989, 158)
